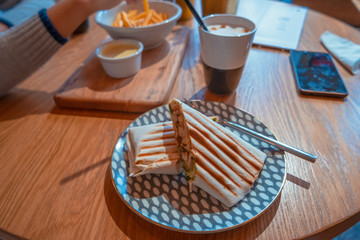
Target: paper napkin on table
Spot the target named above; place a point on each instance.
(343, 49)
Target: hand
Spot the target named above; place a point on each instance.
(3, 27)
(96, 5)
(67, 15)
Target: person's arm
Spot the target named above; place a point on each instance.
(21, 10)
(26, 47)
(69, 14)
(3, 27)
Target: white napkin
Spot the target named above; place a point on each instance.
(343, 49)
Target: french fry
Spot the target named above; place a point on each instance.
(147, 19)
(140, 16)
(146, 6)
(117, 20)
(127, 22)
(157, 18)
(132, 13)
(138, 22)
(134, 19)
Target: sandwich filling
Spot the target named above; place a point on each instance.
(183, 141)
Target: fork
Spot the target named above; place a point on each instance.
(297, 152)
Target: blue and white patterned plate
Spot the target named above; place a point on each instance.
(165, 200)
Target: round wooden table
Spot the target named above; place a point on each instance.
(55, 181)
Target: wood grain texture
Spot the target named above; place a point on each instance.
(345, 10)
(91, 88)
(54, 162)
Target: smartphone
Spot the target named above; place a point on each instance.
(316, 74)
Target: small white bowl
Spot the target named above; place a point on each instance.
(124, 66)
(151, 36)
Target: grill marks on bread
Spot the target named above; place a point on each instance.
(218, 134)
(222, 152)
(231, 172)
(228, 165)
(156, 144)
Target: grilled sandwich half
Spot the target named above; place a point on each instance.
(152, 149)
(212, 157)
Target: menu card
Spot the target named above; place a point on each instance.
(281, 26)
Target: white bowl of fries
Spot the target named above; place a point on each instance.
(149, 22)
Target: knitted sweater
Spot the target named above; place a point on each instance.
(26, 47)
(21, 10)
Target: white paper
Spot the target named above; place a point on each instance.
(281, 26)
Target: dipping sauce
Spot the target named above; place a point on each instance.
(118, 50)
(227, 30)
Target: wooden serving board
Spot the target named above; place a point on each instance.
(89, 87)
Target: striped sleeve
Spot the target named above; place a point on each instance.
(25, 48)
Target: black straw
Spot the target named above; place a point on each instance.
(196, 15)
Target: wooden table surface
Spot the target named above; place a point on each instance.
(54, 162)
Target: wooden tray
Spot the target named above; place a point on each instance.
(90, 88)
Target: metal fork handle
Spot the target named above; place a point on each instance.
(297, 152)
